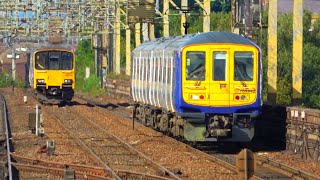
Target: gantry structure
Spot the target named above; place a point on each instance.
(67, 17)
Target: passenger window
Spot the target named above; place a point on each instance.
(243, 66)
(195, 69)
(219, 66)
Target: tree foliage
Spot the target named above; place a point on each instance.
(311, 59)
(85, 58)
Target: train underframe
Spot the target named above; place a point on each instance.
(54, 94)
(196, 127)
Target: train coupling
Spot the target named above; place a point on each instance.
(54, 91)
(218, 126)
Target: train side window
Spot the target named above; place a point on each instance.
(219, 66)
(243, 66)
(195, 69)
(40, 61)
(66, 61)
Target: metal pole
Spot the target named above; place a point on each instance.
(206, 17)
(137, 34)
(297, 52)
(184, 5)
(116, 67)
(145, 32)
(95, 45)
(13, 66)
(128, 51)
(37, 120)
(272, 51)
(165, 18)
(104, 60)
(151, 31)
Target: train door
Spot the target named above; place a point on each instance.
(195, 76)
(219, 77)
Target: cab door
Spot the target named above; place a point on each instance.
(219, 79)
(195, 76)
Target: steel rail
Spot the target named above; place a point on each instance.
(6, 122)
(86, 148)
(163, 169)
(89, 171)
(282, 168)
(227, 165)
(57, 171)
(100, 161)
(76, 167)
(262, 161)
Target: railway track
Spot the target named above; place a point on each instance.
(266, 168)
(59, 169)
(5, 163)
(120, 159)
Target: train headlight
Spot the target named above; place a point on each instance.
(68, 81)
(243, 97)
(40, 80)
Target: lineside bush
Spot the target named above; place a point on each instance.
(85, 58)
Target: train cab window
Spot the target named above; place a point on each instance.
(195, 69)
(219, 66)
(243, 66)
(54, 58)
(40, 62)
(66, 61)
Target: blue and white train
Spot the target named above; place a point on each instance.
(202, 87)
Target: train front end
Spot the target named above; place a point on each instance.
(220, 91)
(54, 74)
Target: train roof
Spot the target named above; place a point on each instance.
(178, 42)
(48, 46)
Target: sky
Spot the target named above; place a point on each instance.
(286, 6)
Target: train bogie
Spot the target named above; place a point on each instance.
(203, 87)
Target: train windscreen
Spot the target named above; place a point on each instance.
(243, 66)
(195, 65)
(53, 60)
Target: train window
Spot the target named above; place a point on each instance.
(40, 61)
(195, 65)
(243, 66)
(219, 66)
(54, 58)
(66, 61)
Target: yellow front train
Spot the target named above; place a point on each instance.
(52, 74)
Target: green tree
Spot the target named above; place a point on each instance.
(84, 58)
(220, 21)
(311, 59)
